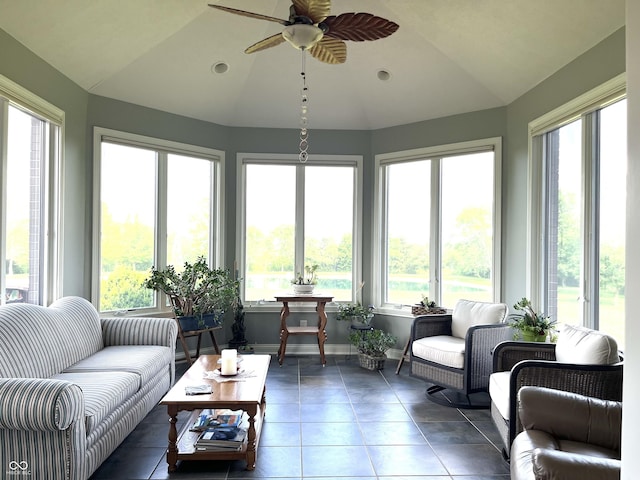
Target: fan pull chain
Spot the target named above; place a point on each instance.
(304, 132)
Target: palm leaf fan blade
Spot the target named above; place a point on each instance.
(316, 10)
(330, 50)
(268, 42)
(359, 27)
(250, 14)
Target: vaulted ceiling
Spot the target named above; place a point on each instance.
(448, 56)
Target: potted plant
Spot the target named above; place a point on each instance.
(304, 283)
(426, 307)
(372, 346)
(199, 295)
(530, 325)
(356, 313)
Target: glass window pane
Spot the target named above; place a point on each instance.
(564, 244)
(613, 172)
(328, 227)
(25, 183)
(189, 195)
(408, 231)
(128, 199)
(270, 230)
(467, 227)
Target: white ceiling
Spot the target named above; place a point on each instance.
(448, 56)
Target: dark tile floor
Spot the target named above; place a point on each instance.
(338, 422)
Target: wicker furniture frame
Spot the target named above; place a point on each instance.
(474, 376)
(535, 364)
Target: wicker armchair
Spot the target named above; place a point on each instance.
(453, 352)
(584, 361)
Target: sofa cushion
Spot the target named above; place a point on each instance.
(441, 349)
(586, 346)
(467, 313)
(47, 339)
(499, 392)
(103, 392)
(143, 360)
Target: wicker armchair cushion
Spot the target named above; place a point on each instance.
(499, 392)
(585, 346)
(468, 313)
(441, 349)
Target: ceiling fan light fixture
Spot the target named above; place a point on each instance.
(302, 36)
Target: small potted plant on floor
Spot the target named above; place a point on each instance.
(199, 294)
(372, 346)
(304, 283)
(530, 325)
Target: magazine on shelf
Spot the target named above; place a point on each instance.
(210, 417)
(224, 437)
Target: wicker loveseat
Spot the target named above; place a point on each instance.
(74, 385)
(583, 361)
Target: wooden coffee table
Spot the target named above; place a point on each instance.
(247, 395)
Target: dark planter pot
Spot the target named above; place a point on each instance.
(192, 322)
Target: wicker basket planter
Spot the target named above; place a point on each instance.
(420, 310)
(371, 363)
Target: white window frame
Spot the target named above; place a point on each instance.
(13, 94)
(435, 154)
(163, 149)
(244, 159)
(581, 107)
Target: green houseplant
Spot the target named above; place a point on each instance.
(356, 313)
(197, 293)
(372, 346)
(530, 325)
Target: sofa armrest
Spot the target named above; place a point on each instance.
(559, 465)
(592, 420)
(507, 354)
(430, 325)
(139, 331)
(39, 404)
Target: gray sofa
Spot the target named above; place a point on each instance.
(74, 385)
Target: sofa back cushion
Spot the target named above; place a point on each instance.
(586, 346)
(40, 341)
(468, 313)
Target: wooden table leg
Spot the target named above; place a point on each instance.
(251, 438)
(172, 450)
(404, 356)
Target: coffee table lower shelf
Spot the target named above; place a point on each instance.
(186, 449)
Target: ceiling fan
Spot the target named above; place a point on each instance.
(311, 27)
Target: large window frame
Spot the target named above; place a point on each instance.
(435, 154)
(586, 108)
(49, 270)
(355, 161)
(163, 149)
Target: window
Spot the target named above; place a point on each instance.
(294, 215)
(579, 166)
(438, 218)
(159, 204)
(29, 169)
